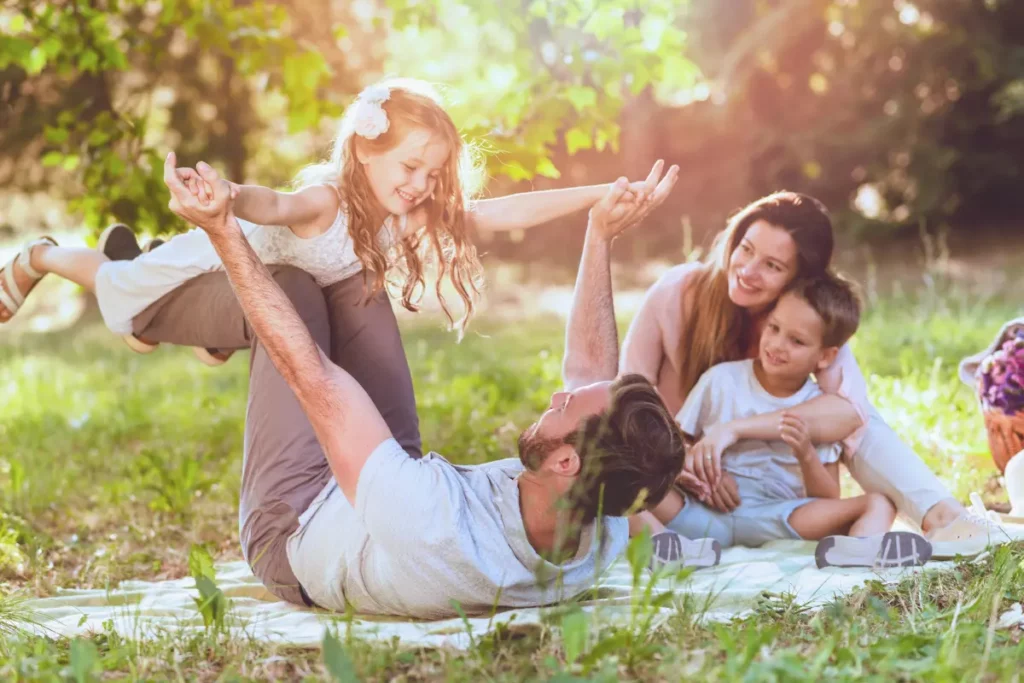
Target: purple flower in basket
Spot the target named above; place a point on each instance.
(1001, 375)
(999, 371)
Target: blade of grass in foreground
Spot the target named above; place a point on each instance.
(14, 616)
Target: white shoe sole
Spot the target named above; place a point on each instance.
(673, 550)
(948, 550)
(884, 551)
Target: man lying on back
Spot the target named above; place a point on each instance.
(393, 535)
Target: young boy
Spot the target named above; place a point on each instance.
(787, 488)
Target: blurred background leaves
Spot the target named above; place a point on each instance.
(893, 112)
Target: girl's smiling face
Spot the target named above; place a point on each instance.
(404, 176)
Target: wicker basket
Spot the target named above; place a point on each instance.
(1005, 436)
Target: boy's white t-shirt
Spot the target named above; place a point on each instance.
(730, 391)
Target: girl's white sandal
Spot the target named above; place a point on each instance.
(13, 298)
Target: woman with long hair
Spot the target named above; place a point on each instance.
(704, 313)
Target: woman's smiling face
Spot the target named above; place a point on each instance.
(761, 266)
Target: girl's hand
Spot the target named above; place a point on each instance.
(620, 208)
(214, 216)
(191, 179)
(648, 194)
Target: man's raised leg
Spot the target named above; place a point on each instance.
(366, 343)
(284, 467)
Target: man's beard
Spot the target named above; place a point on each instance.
(534, 450)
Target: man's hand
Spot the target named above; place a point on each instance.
(704, 458)
(198, 187)
(211, 215)
(794, 432)
(625, 205)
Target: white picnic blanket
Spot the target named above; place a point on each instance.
(142, 609)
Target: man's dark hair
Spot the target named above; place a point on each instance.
(630, 453)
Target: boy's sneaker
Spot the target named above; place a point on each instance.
(882, 551)
(675, 552)
(118, 243)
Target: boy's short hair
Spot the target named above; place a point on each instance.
(835, 300)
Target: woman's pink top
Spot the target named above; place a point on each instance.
(651, 348)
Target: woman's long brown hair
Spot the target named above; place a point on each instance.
(714, 328)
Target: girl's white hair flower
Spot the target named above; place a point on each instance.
(371, 121)
(376, 93)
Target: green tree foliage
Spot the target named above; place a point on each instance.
(98, 91)
(532, 77)
(898, 109)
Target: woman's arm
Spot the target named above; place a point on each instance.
(826, 419)
(659, 324)
(642, 348)
(844, 379)
(839, 414)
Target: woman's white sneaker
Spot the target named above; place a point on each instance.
(968, 535)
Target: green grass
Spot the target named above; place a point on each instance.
(113, 465)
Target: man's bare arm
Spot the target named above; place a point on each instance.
(345, 420)
(272, 315)
(591, 336)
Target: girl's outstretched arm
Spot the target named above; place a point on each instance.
(527, 209)
(315, 206)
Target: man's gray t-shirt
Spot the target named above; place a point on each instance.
(730, 391)
(426, 532)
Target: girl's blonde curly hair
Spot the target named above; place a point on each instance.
(444, 240)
